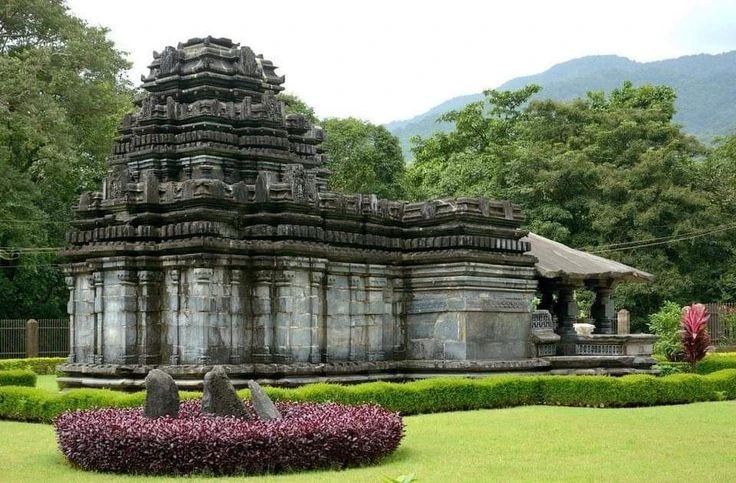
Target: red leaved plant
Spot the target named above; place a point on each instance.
(694, 332)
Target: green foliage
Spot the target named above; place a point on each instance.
(606, 172)
(423, 396)
(363, 158)
(18, 377)
(39, 365)
(665, 323)
(294, 105)
(61, 98)
(714, 362)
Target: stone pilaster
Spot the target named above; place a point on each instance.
(70, 282)
(99, 306)
(238, 330)
(172, 316)
(262, 315)
(149, 317)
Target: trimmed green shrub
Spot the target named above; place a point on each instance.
(39, 365)
(716, 362)
(424, 396)
(18, 377)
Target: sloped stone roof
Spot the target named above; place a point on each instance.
(555, 260)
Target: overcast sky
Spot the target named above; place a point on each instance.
(386, 60)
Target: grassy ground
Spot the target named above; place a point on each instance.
(673, 443)
(47, 382)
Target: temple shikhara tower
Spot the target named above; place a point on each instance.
(214, 240)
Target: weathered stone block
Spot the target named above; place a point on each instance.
(265, 408)
(162, 395)
(219, 397)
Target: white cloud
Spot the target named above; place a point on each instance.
(385, 60)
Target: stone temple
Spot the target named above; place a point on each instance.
(214, 240)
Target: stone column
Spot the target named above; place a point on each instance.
(126, 294)
(623, 322)
(195, 341)
(173, 292)
(149, 317)
(602, 310)
(262, 321)
(567, 314)
(316, 311)
(566, 309)
(237, 319)
(282, 318)
(70, 310)
(97, 356)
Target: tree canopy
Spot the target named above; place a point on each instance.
(61, 98)
(609, 173)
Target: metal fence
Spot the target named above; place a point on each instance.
(720, 332)
(34, 338)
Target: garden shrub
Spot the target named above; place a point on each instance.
(716, 362)
(694, 332)
(665, 323)
(310, 436)
(421, 397)
(39, 365)
(18, 377)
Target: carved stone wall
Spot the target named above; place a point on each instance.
(214, 240)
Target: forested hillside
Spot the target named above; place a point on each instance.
(704, 84)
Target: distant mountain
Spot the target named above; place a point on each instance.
(705, 85)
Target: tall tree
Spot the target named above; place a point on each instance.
(61, 98)
(363, 158)
(609, 173)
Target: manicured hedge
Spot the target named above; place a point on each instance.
(39, 365)
(18, 377)
(309, 436)
(716, 361)
(424, 396)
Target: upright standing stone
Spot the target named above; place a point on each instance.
(265, 408)
(623, 321)
(162, 395)
(220, 398)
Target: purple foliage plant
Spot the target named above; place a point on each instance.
(694, 332)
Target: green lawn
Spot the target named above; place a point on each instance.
(47, 382)
(688, 443)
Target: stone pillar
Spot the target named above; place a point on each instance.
(566, 309)
(70, 310)
(195, 341)
(623, 321)
(97, 283)
(282, 316)
(602, 310)
(32, 338)
(316, 311)
(567, 314)
(358, 322)
(173, 329)
(262, 321)
(149, 317)
(124, 321)
(238, 333)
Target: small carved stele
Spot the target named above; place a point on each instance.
(162, 395)
(265, 409)
(220, 398)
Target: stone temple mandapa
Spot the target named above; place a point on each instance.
(215, 241)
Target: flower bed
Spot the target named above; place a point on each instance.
(309, 436)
